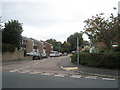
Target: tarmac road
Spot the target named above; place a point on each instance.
(47, 73)
(26, 80)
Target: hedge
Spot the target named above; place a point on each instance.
(8, 47)
(100, 60)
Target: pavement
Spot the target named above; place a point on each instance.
(66, 64)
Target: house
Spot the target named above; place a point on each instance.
(35, 45)
(48, 48)
(41, 46)
(27, 44)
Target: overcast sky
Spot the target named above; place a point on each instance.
(58, 19)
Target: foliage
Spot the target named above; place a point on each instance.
(56, 44)
(103, 30)
(6, 47)
(25, 52)
(74, 58)
(86, 49)
(12, 33)
(86, 43)
(100, 60)
(72, 40)
(66, 47)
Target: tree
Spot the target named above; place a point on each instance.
(103, 30)
(56, 44)
(12, 33)
(66, 47)
(72, 40)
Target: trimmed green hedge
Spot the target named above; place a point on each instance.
(100, 60)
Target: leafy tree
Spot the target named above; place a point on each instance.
(86, 43)
(56, 44)
(103, 30)
(12, 33)
(72, 40)
(66, 47)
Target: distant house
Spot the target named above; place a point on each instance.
(48, 48)
(41, 47)
(35, 45)
(27, 44)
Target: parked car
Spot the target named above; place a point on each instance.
(64, 54)
(37, 56)
(44, 55)
(60, 54)
(54, 54)
(30, 54)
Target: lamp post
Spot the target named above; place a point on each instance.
(78, 61)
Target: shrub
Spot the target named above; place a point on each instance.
(102, 60)
(74, 58)
(8, 47)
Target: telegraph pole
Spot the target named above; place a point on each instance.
(78, 51)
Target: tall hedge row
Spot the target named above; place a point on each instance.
(100, 60)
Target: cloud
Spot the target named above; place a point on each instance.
(44, 19)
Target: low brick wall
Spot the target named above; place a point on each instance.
(9, 56)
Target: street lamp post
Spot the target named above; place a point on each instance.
(78, 51)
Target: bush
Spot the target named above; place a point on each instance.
(8, 47)
(74, 58)
(86, 50)
(102, 60)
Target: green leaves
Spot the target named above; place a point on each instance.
(103, 30)
(72, 39)
(12, 33)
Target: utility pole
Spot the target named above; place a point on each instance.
(78, 51)
(59, 47)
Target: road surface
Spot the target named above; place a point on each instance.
(47, 73)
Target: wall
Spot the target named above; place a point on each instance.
(9, 56)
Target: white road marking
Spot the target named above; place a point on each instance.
(34, 72)
(91, 77)
(60, 75)
(75, 76)
(108, 78)
(14, 70)
(46, 74)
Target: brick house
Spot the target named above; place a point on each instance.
(27, 44)
(41, 46)
(33, 45)
(48, 48)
